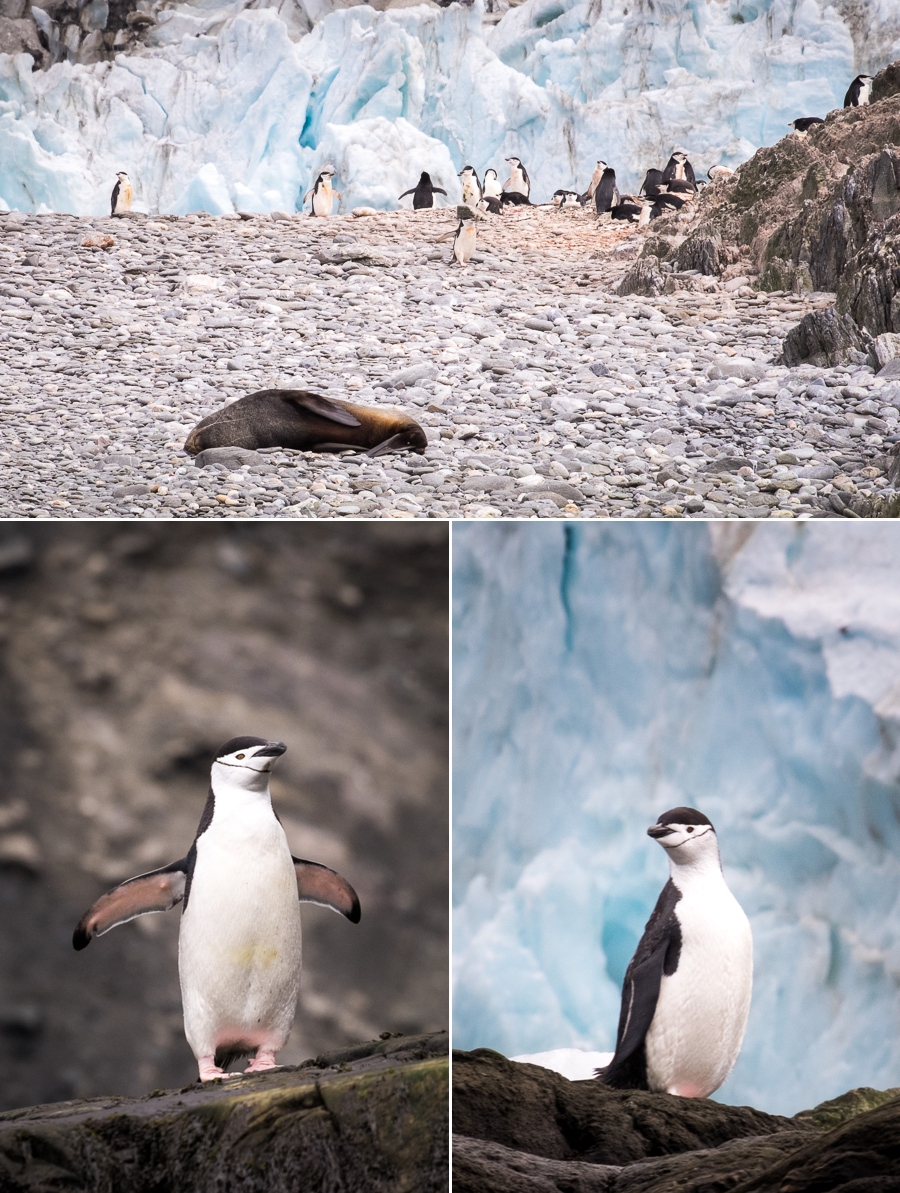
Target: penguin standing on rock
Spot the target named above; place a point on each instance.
(804, 123)
(423, 192)
(679, 169)
(686, 995)
(594, 183)
(240, 890)
(120, 200)
(859, 92)
(322, 194)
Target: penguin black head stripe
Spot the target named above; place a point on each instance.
(239, 946)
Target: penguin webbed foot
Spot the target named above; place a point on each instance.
(263, 1062)
(210, 1071)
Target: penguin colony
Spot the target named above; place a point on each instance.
(488, 196)
(686, 994)
(239, 946)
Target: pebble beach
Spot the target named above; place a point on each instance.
(543, 393)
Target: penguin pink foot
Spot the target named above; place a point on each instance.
(210, 1071)
(264, 1060)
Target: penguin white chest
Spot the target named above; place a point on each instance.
(323, 198)
(701, 1014)
(239, 950)
(465, 244)
(470, 194)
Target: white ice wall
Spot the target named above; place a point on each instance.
(224, 110)
(604, 674)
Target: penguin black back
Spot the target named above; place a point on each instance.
(305, 421)
(606, 195)
(423, 192)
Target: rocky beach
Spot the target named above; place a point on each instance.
(543, 392)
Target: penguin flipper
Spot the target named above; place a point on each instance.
(436, 190)
(405, 193)
(657, 953)
(159, 890)
(318, 884)
(324, 407)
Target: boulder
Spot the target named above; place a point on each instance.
(644, 278)
(519, 1128)
(373, 1117)
(824, 338)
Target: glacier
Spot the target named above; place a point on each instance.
(228, 106)
(606, 673)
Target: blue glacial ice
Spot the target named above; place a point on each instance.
(603, 674)
(231, 107)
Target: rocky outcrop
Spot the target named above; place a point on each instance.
(824, 338)
(523, 1129)
(371, 1117)
(74, 30)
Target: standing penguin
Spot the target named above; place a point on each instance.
(322, 193)
(471, 187)
(120, 200)
(423, 192)
(679, 169)
(606, 195)
(594, 183)
(464, 240)
(686, 995)
(239, 951)
(518, 182)
(859, 91)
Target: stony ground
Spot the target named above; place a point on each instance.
(542, 392)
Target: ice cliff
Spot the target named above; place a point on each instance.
(220, 106)
(606, 673)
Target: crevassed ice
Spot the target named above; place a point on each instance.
(603, 674)
(231, 108)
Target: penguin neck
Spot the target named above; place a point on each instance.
(237, 789)
(701, 870)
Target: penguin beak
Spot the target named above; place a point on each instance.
(659, 830)
(273, 749)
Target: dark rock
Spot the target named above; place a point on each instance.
(534, 1110)
(523, 1129)
(644, 278)
(700, 252)
(823, 338)
(599, 369)
(379, 1119)
(727, 464)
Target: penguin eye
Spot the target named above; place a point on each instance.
(239, 756)
(690, 827)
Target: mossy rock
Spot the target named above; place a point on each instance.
(374, 1118)
(839, 1110)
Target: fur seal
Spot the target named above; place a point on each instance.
(307, 422)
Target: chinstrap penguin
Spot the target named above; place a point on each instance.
(120, 200)
(239, 947)
(686, 994)
(804, 123)
(859, 92)
(471, 187)
(322, 194)
(594, 183)
(464, 240)
(423, 192)
(679, 169)
(606, 195)
(719, 173)
(518, 182)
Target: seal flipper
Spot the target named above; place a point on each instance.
(324, 407)
(318, 884)
(159, 890)
(384, 447)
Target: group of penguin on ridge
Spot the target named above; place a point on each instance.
(685, 997)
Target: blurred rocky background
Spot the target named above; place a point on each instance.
(128, 655)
